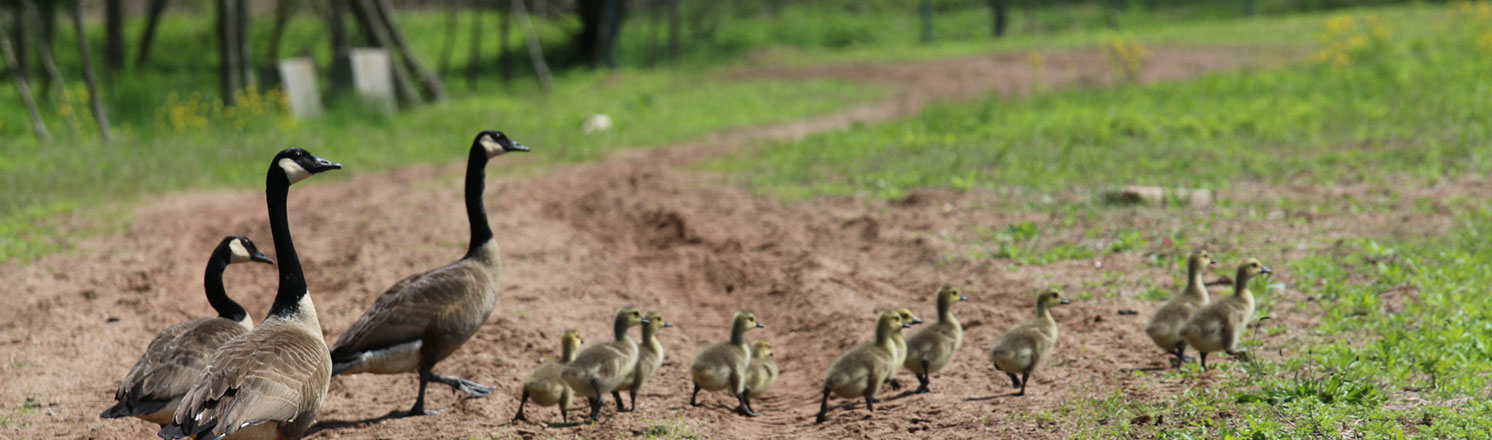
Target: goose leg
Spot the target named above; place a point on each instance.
(923, 379)
(870, 399)
(692, 397)
(1025, 378)
(459, 384)
(598, 401)
(745, 406)
(419, 402)
(823, 407)
(1203, 357)
(1015, 382)
(621, 406)
(631, 395)
(521, 402)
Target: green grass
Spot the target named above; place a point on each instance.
(1372, 119)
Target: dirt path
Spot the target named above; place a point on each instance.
(578, 242)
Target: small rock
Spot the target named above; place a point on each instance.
(1127, 312)
(1157, 196)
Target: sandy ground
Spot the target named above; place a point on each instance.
(581, 240)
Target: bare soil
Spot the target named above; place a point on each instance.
(581, 240)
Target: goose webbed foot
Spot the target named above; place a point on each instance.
(472, 389)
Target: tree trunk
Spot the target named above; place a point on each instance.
(926, 12)
(448, 41)
(228, 71)
(48, 20)
(21, 35)
(54, 82)
(675, 28)
(341, 71)
(37, 125)
(654, 32)
(600, 22)
(114, 31)
(366, 14)
(475, 61)
(504, 52)
(284, 9)
(95, 98)
(1001, 11)
(535, 53)
(429, 83)
(153, 19)
(245, 54)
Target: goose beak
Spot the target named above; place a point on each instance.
(905, 324)
(517, 147)
(1265, 269)
(646, 321)
(1211, 261)
(667, 324)
(760, 325)
(260, 257)
(916, 321)
(324, 165)
(1066, 301)
(963, 298)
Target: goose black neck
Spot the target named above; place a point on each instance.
(213, 284)
(476, 211)
(738, 332)
(292, 280)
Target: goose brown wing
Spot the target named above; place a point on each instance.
(262, 376)
(169, 366)
(404, 312)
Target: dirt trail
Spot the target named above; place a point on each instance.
(577, 243)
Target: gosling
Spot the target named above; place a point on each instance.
(1028, 344)
(862, 370)
(762, 372)
(649, 358)
(599, 369)
(1165, 326)
(930, 349)
(901, 342)
(723, 366)
(545, 386)
(1219, 325)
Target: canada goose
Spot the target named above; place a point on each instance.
(723, 366)
(762, 371)
(545, 386)
(862, 370)
(1026, 345)
(269, 382)
(930, 349)
(901, 343)
(1165, 326)
(599, 369)
(179, 353)
(649, 358)
(424, 318)
(1220, 325)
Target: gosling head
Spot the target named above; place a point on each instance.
(1252, 268)
(571, 339)
(1051, 298)
(655, 321)
(760, 348)
(748, 320)
(949, 295)
(241, 250)
(296, 164)
(630, 316)
(890, 320)
(1200, 258)
(495, 143)
(905, 313)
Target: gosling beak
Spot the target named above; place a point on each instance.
(1211, 261)
(667, 324)
(963, 298)
(905, 324)
(760, 325)
(517, 147)
(646, 321)
(260, 257)
(1265, 269)
(916, 321)
(324, 165)
(1065, 301)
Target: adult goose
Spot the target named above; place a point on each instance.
(424, 318)
(179, 353)
(269, 382)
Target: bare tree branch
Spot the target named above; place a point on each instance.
(95, 98)
(37, 124)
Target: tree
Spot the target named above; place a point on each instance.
(601, 20)
(284, 9)
(55, 84)
(95, 98)
(229, 79)
(9, 56)
(535, 53)
(114, 32)
(1001, 11)
(153, 19)
(926, 11)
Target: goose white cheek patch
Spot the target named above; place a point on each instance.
(293, 170)
(240, 254)
(492, 147)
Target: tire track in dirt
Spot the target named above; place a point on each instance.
(577, 243)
